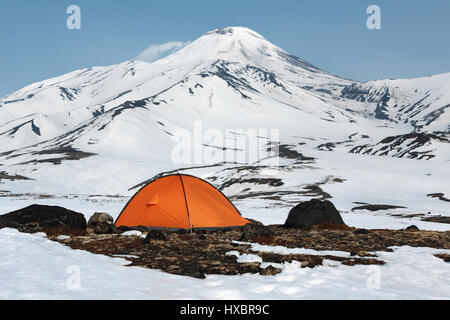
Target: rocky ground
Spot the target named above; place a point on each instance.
(197, 254)
(314, 224)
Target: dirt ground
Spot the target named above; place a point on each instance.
(197, 254)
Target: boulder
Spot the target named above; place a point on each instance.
(40, 218)
(155, 235)
(100, 217)
(311, 213)
(102, 223)
(412, 228)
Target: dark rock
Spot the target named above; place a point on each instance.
(100, 217)
(114, 229)
(443, 256)
(101, 228)
(105, 228)
(412, 228)
(155, 235)
(40, 218)
(270, 271)
(193, 273)
(313, 213)
(438, 219)
(377, 207)
(361, 231)
(124, 229)
(103, 223)
(256, 231)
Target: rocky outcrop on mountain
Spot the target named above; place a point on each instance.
(414, 145)
(421, 102)
(376, 207)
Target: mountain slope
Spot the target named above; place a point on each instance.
(424, 103)
(109, 119)
(238, 59)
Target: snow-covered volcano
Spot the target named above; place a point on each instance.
(223, 72)
(112, 127)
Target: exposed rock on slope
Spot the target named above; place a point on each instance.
(414, 145)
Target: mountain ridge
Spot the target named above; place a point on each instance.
(251, 83)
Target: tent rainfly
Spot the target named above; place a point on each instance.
(180, 201)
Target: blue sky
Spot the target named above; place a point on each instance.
(36, 45)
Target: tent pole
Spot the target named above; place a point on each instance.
(185, 200)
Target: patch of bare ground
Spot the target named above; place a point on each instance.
(12, 177)
(376, 207)
(443, 256)
(439, 196)
(8, 194)
(439, 219)
(357, 240)
(199, 254)
(310, 261)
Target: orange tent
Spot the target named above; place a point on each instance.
(180, 202)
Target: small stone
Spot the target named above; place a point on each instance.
(101, 228)
(155, 235)
(361, 231)
(304, 264)
(113, 229)
(269, 271)
(124, 229)
(100, 217)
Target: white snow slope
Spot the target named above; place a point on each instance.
(38, 268)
